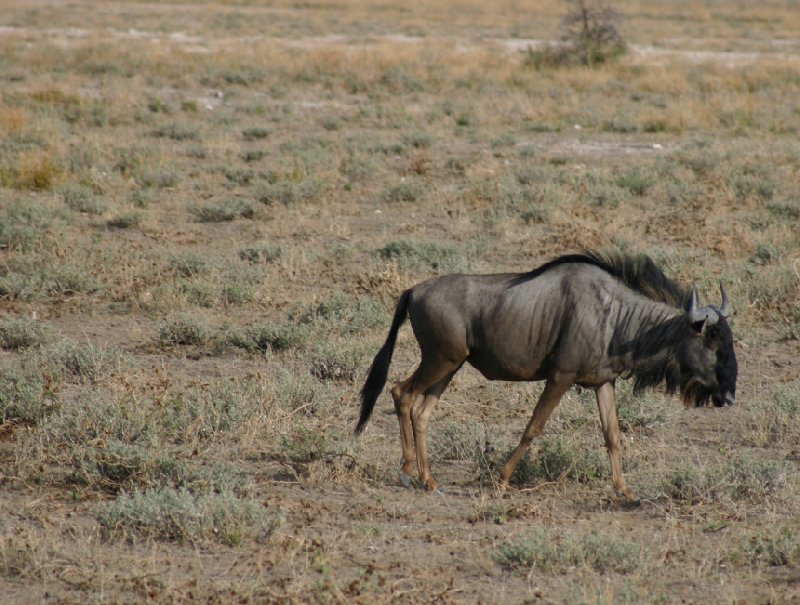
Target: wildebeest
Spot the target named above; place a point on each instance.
(581, 319)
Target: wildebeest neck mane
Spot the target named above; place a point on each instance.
(639, 273)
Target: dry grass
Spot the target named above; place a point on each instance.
(207, 211)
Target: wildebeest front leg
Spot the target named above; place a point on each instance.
(610, 423)
(548, 401)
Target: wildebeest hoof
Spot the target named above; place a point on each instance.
(431, 485)
(629, 499)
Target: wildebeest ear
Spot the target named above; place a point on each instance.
(699, 326)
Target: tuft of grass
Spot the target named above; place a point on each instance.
(555, 460)
(125, 220)
(87, 362)
(31, 170)
(773, 418)
(424, 256)
(559, 459)
(644, 412)
(458, 441)
(270, 337)
(183, 330)
(27, 225)
(765, 254)
(741, 478)
(345, 314)
(407, 190)
(338, 361)
(81, 198)
(550, 551)
(178, 132)
(256, 133)
(303, 445)
(264, 254)
(288, 192)
(26, 397)
(35, 277)
(220, 212)
(776, 546)
(184, 516)
(21, 333)
(637, 181)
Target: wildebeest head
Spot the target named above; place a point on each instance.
(708, 368)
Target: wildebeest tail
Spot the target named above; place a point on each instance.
(379, 371)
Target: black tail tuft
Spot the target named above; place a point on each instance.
(379, 371)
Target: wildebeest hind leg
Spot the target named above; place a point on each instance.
(610, 423)
(403, 402)
(548, 401)
(420, 415)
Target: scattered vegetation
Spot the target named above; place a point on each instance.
(202, 237)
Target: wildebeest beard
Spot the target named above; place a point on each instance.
(693, 392)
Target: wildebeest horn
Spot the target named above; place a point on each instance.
(725, 309)
(706, 314)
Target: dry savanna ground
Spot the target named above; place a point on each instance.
(207, 210)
